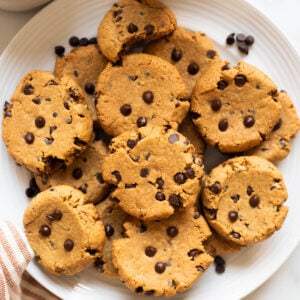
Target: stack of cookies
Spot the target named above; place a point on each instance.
(117, 139)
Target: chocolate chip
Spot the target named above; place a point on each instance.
(150, 251)
(39, 122)
(160, 182)
(233, 216)
(215, 187)
(149, 29)
(29, 138)
(175, 201)
(172, 231)
(59, 50)
(223, 125)
(216, 104)
(200, 268)
(254, 201)
(160, 267)
(240, 37)
(130, 185)
(132, 28)
(226, 67)
(211, 53)
(235, 198)
(45, 230)
(28, 89)
(249, 190)
(149, 293)
(222, 84)
(220, 268)
(195, 115)
(193, 68)
(133, 77)
(235, 235)
(100, 178)
(176, 55)
(55, 216)
(219, 260)
(54, 115)
(141, 122)
(68, 245)
(249, 121)
(83, 41)
(93, 41)
(190, 173)
(277, 125)
(173, 138)
(99, 264)
(144, 172)
(244, 49)
(117, 175)
(180, 178)
(230, 39)
(131, 143)
(125, 110)
(193, 253)
(143, 228)
(148, 97)
(240, 80)
(30, 192)
(74, 41)
(36, 100)
(77, 173)
(117, 12)
(212, 213)
(160, 196)
(139, 289)
(109, 230)
(83, 188)
(89, 88)
(249, 40)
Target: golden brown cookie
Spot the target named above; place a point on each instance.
(163, 257)
(113, 217)
(64, 230)
(243, 199)
(128, 22)
(144, 90)
(191, 53)
(235, 109)
(278, 146)
(47, 122)
(84, 64)
(155, 171)
(84, 174)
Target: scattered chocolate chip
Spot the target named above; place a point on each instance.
(190, 173)
(160, 182)
(175, 201)
(77, 173)
(149, 29)
(141, 122)
(125, 110)
(240, 80)
(240, 37)
(55, 216)
(117, 175)
(45, 230)
(30, 193)
(173, 138)
(233, 216)
(215, 187)
(139, 289)
(249, 40)
(74, 41)
(144, 172)
(222, 84)
(59, 50)
(211, 53)
(83, 42)
(150, 251)
(160, 196)
(93, 41)
(220, 268)
(29, 138)
(230, 39)
(176, 55)
(160, 267)
(235, 198)
(172, 231)
(223, 125)
(254, 201)
(277, 125)
(109, 230)
(28, 89)
(40, 122)
(249, 121)
(131, 143)
(216, 104)
(244, 49)
(148, 97)
(89, 88)
(249, 190)
(68, 245)
(132, 28)
(219, 260)
(193, 68)
(180, 178)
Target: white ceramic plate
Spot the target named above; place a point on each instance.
(33, 48)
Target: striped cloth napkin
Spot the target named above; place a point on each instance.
(15, 254)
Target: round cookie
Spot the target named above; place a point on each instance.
(113, 218)
(64, 231)
(155, 171)
(144, 90)
(278, 146)
(83, 64)
(128, 22)
(84, 174)
(191, 53)
(243, 199)
(168, 257)
(235, 109)
(47, 122)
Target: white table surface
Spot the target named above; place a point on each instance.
(285, 283)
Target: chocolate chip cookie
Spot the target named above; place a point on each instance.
(278, 145)
(235, 109)
(144, 90)
(128, 22)
(47, 122)
(64, 230)
(243, 199)
(83, 64)
(191, 53)
(155, 171)
(168, 257)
